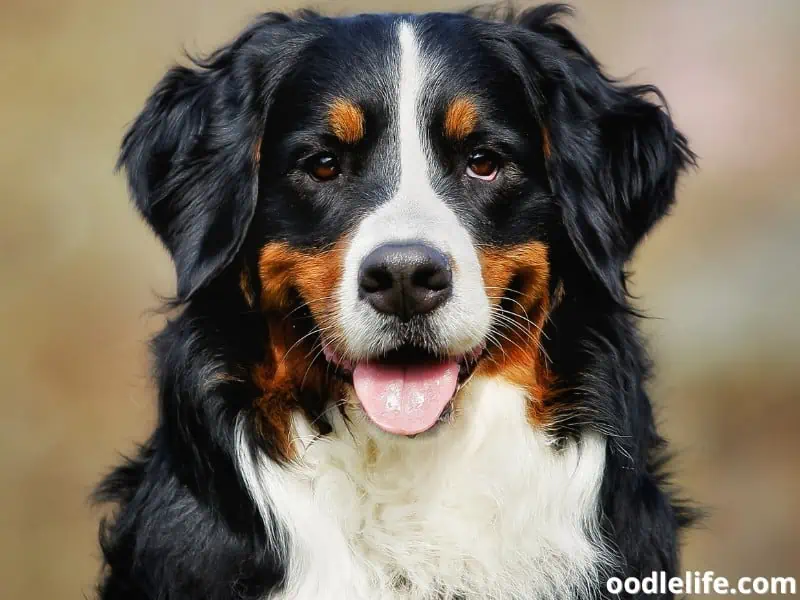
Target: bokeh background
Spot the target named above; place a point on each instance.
(79, 272)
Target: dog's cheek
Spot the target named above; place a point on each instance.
(290, 379)
(277, 263)
(517, 280)
(318, 278)
(293, 376)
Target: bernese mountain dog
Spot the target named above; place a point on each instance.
(402, 362)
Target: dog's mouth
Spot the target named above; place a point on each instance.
(407, 390)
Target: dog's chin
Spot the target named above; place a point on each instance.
(407, 391)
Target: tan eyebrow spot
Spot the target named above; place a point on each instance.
(460, 118)
(346, 120)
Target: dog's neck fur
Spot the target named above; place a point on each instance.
(484, 507)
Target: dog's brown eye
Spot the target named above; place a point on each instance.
(323, 166)
(483, 164)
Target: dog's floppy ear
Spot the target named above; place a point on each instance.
(191, 156)
(614, 152)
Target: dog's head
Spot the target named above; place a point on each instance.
(405, 198)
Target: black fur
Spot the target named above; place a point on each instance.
(184, 525)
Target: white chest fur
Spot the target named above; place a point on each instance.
(485, 507)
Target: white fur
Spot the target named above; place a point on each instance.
(319, 559)
(485, 507)
(414, 213)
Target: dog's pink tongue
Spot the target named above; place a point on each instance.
(405, 399)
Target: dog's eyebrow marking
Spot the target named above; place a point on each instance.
(346, 120)
(460, 118)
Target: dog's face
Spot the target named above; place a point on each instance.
(402, 158)
(413, 195)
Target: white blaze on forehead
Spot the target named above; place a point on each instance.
(415, 213)
(413, 156)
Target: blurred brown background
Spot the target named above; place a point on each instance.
(79, 270)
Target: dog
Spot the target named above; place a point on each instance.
(402, 361)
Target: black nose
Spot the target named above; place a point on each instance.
(405, 279)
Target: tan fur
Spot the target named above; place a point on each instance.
(460, 119)
(546, 147)
(346, 120)
(519, 359)
(292, 365)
